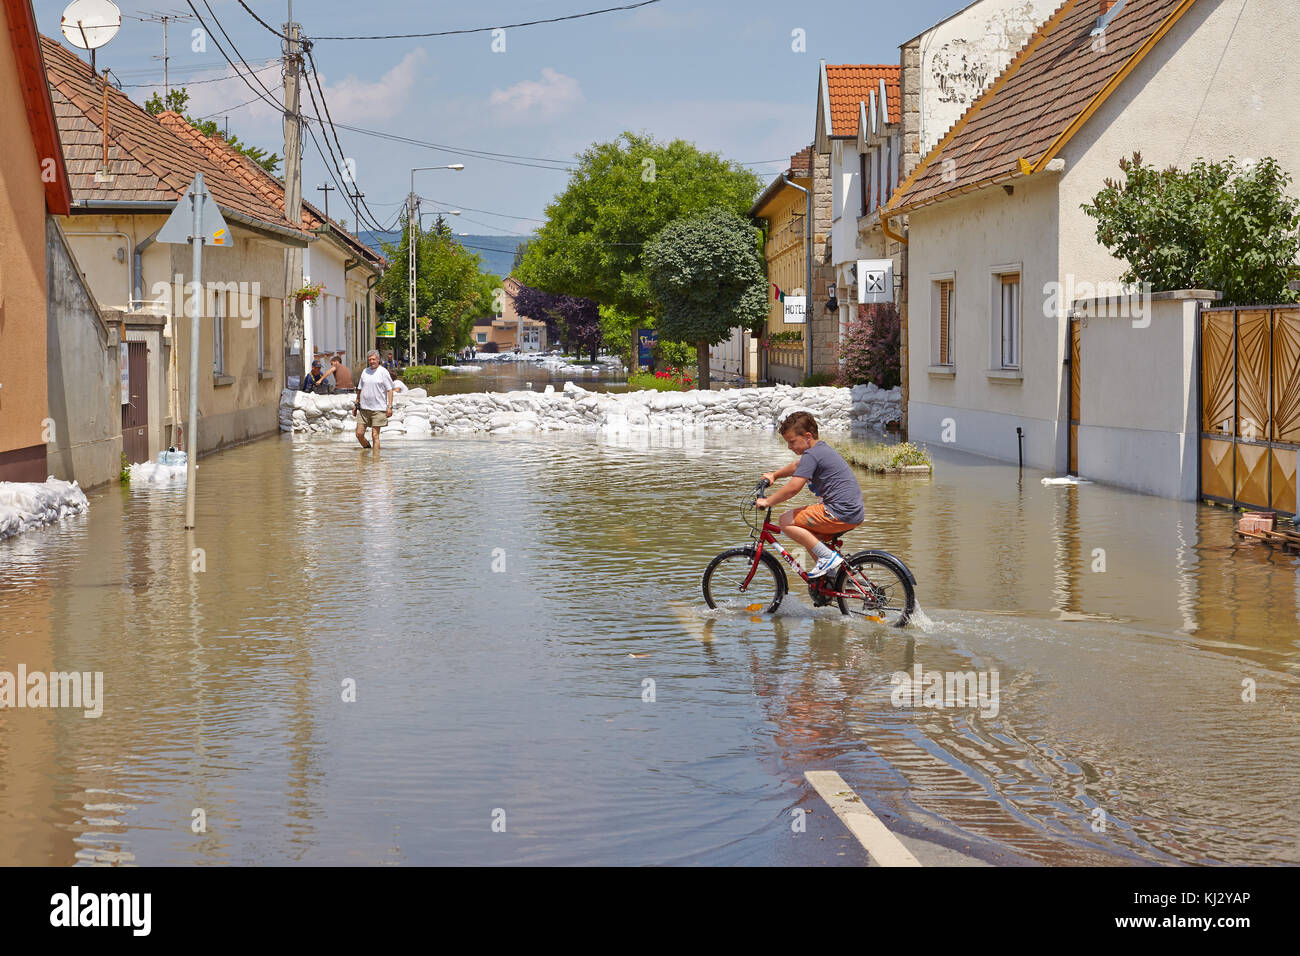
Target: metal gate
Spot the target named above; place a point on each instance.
(135, 410)
(1250, 405)
(1076, 398)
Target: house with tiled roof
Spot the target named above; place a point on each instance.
(999, 248)
(779, 356)
(341, 320)
(33, 188)
(127, 170)
(873, 120)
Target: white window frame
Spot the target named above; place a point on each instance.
(218, 333)
(261, 335)
(999, 359)
(936, 279)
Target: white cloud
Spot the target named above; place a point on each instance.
(555, 93)
(352, 100)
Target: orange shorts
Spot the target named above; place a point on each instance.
(816, 520)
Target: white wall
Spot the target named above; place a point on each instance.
(1215, 85)
(970, 237)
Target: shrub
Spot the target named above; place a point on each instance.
(906, 453)
(418, 376)
(667, 380)
(870, 348)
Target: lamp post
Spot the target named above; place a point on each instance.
(411, 223)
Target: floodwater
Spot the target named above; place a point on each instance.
(537, 679)
(497, 375)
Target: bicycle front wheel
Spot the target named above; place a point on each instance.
(726, 575)
(875, 589)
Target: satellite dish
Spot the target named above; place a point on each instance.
(89, 24)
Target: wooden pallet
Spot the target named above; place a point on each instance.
(1287, 541)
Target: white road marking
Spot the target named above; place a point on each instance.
(875, 837)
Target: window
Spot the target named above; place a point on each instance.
(259, 316)
(862, 182)
(1007, 285)
(219, 334)
(481, 337)
(944, 320)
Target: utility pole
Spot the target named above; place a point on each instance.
(410, 268)
(164, 19)
(295, 340)
(327, 189)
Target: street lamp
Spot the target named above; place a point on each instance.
(411, 223)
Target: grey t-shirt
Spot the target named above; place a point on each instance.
(833, 481)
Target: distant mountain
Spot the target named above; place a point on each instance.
(496, 252)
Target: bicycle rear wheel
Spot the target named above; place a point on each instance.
(726, 574)
(878, 590)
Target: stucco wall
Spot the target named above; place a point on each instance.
(970, 237)
(251, 269)
(85, 392)
(23, 400)
(1138, 415)
(962, 56)
(1218, 83)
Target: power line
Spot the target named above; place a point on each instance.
(268, 98)
(444, 148)
(315, 75)
(215, 79)
(503, 26)
(486, 212)
(249, 11)
(235, 48)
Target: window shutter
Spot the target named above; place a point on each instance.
(945, 322)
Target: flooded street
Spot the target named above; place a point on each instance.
(501, 602)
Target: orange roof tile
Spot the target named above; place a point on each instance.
(848, 86)
(1046, 91)
(148, 161)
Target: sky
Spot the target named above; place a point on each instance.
(728, 76)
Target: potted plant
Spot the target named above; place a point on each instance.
(309, 293)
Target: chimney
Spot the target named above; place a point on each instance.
(1106, 5)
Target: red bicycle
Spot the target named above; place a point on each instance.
(874, 585)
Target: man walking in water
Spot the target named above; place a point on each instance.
(374, 400)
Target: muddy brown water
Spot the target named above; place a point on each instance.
(501, 603)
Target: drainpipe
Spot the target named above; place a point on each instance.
(807, 308)
(138, 258)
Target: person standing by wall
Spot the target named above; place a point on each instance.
(374, 401)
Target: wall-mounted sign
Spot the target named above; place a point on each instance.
(875, 280)
(386, 330)
(646, 340)
(795, 308)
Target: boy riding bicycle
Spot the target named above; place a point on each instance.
(831, 479)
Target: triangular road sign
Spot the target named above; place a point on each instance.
(180, 224)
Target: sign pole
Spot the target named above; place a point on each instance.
(196, 305)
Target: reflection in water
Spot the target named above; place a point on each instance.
(498, 602)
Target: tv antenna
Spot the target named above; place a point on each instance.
(89, 24)
(164, 19)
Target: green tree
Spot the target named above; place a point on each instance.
(707, 277)
(1214, 226)
(176, 102)
(450, 292)
(621, 194)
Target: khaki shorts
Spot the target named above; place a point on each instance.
(373, 418)
(816, 520)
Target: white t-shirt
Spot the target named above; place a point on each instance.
(374, 385)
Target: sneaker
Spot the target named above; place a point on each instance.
(825, 566)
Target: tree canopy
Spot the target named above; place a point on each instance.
(708, 278)
(450, 291)
(622, 194)
(1214, 226)
(570, 319)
